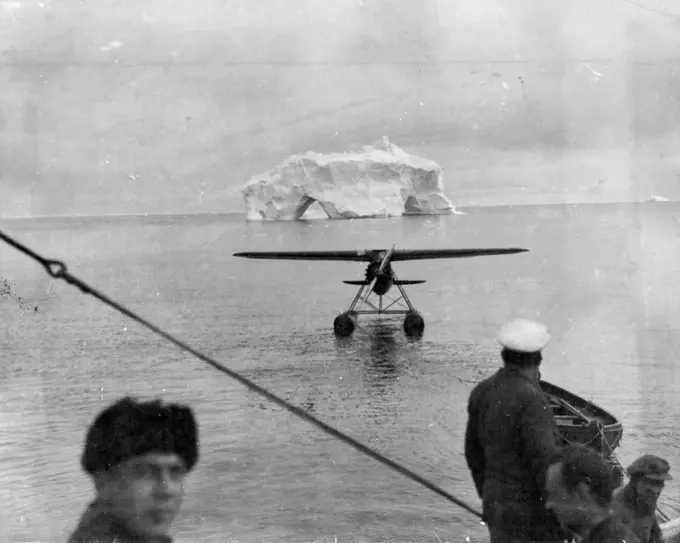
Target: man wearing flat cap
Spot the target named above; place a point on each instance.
(137, 454)
(511, 438)
(635, 504)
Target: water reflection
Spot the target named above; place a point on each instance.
(381, 357)
(383, 351)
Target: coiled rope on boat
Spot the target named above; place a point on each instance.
(58, 270)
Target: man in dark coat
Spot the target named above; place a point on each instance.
(635, 504)
(511, 438)
(137, 454)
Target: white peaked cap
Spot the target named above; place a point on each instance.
(524, 336)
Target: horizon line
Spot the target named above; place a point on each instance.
(336, 62)
(206, 213)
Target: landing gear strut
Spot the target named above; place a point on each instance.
(345, 323)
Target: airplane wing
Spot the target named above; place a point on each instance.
(376, 255)
(426, 254)
(358, 256)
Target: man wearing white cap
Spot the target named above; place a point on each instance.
(510, 440)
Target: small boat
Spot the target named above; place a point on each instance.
(580, 421)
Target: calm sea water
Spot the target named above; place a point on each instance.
(603, 277)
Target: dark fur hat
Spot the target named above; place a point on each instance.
(130, 428)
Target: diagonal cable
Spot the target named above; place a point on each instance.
(58, 270)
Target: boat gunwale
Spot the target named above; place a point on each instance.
(610, 422)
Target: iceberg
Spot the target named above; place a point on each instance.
(380, 180)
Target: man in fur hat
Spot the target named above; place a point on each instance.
(510, 440)
(137, 454)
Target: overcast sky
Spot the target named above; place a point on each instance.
(163, 106)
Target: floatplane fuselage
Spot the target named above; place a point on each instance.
(379, 279)
(380, 275)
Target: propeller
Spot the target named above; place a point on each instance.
(386, 259)
(381, 269)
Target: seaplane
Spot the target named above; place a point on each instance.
(379, 280)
